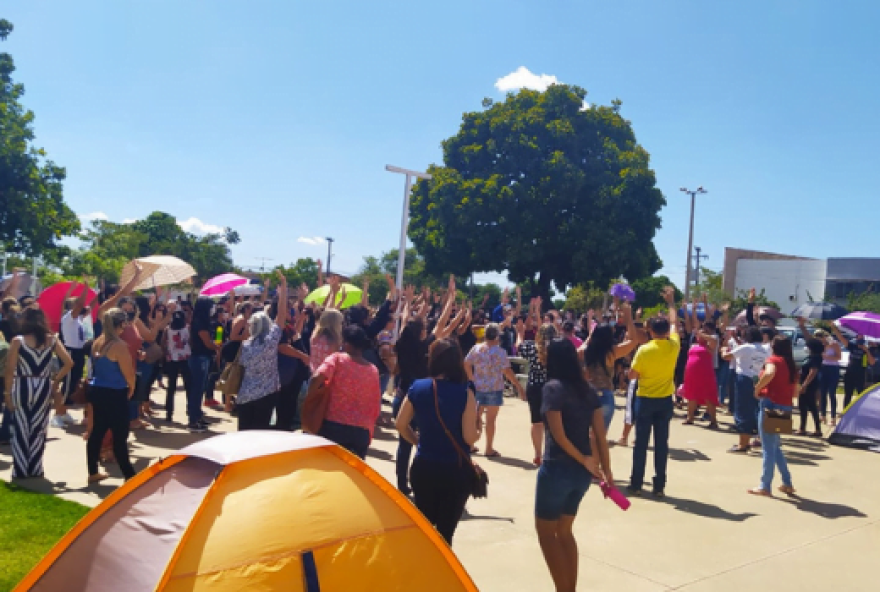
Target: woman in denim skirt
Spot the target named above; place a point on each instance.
(487, 366)
(575, 450)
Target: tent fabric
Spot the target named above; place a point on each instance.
(860, 424)
(253, 510)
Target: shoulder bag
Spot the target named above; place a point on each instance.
(314, 409)
(480, 484)
(232, 376)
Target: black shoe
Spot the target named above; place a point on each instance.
(197, 428)
(633, 491)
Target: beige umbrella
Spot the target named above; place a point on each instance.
(159, 270)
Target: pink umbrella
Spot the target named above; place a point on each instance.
(52, 302)
(222, 284)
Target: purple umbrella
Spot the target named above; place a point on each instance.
(863, 323)
(623, 292)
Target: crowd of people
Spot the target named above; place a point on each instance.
(280, 363)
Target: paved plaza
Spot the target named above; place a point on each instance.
(707, 535)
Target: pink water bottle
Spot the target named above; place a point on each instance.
(615, 495)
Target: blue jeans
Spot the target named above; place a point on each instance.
(721, 378)
(199, 366)
(771, 450)
(829, 378)
(651, 415)
(606, 399)
(745, 415)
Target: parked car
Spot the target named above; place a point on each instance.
(799, 346)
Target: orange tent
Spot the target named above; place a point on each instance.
(254, 510)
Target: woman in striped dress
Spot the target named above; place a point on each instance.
(30, 387)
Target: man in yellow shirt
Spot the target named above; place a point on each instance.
(654, 367)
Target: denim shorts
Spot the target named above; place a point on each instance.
(561, 487)
(491, 399)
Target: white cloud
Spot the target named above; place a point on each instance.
(129, 220)
(94, 216)
(523, 78)
(196, 226)
(314, 241)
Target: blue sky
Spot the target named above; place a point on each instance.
(277, 118)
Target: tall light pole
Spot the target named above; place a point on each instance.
(404, 219)
(329, 252)
(687, 278)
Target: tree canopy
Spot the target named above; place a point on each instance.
(33, 214)
(540, 186)
(108, 246)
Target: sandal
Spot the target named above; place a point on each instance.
(688, 422)
(738, 450)
(622, 442)
(493, 454)
(787, 489)
(761, 492)
(712, 425)
(98, 477)
(816, 434)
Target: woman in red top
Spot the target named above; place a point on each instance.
(775, 390)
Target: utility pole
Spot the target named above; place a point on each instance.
(697, 259)
(262, 261)
(687, 277)
(329, 253)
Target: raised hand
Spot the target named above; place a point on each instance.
(669, 295)
(282, 279)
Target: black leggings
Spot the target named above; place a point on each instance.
(256, 415)
(853, 384)
(441, 491)
(78, 355)
(173, 370)
(808, 403)
(110, 412)
(286, 404)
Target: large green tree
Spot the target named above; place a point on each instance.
(33, 214)
(540, 186)
(108, 246)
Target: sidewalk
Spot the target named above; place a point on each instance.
(707, 535)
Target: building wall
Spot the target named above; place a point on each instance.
(732, 256)
(785, 282)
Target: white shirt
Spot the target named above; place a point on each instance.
(73, 332)
(732, 345)
(750, 358)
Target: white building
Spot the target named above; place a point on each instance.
(791, 281)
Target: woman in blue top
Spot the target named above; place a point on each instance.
(112, 386)
(441, 475)
(571, 410)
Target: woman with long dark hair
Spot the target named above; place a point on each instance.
(600, 352)
(574, 423)
(446, 412)
(775, 391)
(203, 349)
(29, 390)
(412, 364)
(535, 352)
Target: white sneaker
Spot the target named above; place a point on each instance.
(68, 419)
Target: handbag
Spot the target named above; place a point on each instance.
(314, 409)
(776, 422)
(232, 376)
(480, 484)
(154, 353)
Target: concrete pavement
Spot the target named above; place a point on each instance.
(706, 535)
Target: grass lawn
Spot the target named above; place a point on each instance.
(30, 524)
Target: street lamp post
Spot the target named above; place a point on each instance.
(329, 253)
(687, 279)
(404, 220)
